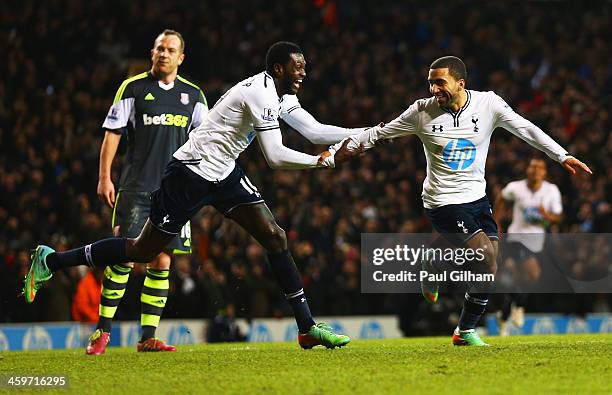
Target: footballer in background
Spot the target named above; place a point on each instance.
(154, 111)
(536, 204)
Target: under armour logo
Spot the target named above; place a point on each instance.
(474, 121)
(437, 128)
(462, 226)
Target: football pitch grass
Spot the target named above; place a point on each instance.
(566, 364)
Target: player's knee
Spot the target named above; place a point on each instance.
(531, 270)
(162, 262)
(488, 258)
(138, 252)
(276, 239)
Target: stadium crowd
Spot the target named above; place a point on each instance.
(367, 61)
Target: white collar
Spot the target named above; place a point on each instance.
(166, 87)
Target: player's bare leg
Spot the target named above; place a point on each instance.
(147, 246)
(260, 223)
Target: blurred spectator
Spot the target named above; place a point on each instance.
(87, 297)
(215, 291)
(223, 328)
(185, 295)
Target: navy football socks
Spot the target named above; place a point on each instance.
(474, 307)
(289, 279)
(101, 253)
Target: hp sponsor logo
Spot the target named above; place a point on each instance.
(260, 333)
(371, 330)
(459, 154)
(37, 338)
(180, 334)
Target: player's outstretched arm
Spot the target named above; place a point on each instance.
(571, 165)
(314, 131)
(280, 157)
(373, 136)
(534, 136)
(403, 125)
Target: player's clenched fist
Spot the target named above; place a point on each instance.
(344, 154)
(330, 158)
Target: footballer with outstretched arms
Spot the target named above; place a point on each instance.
(204, 172)
(535, 205)
(455, 127)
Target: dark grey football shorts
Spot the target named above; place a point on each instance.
(131, 213)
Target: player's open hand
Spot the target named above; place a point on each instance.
(571, 165)
(344, 154)
(106, 192)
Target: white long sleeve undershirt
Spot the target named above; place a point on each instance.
(314, 131)
(280, 157)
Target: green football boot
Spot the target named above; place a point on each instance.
(429, 288)
(322, 335)
(467, 338)
(39, 272)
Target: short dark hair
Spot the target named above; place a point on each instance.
(279, 53)
(170, 32)
(455, 66)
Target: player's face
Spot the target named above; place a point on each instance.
(445, 87)
(293, 73)
(536, 170)
(166, 54)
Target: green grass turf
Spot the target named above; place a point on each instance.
(568, 364)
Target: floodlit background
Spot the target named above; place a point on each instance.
(367, 62)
